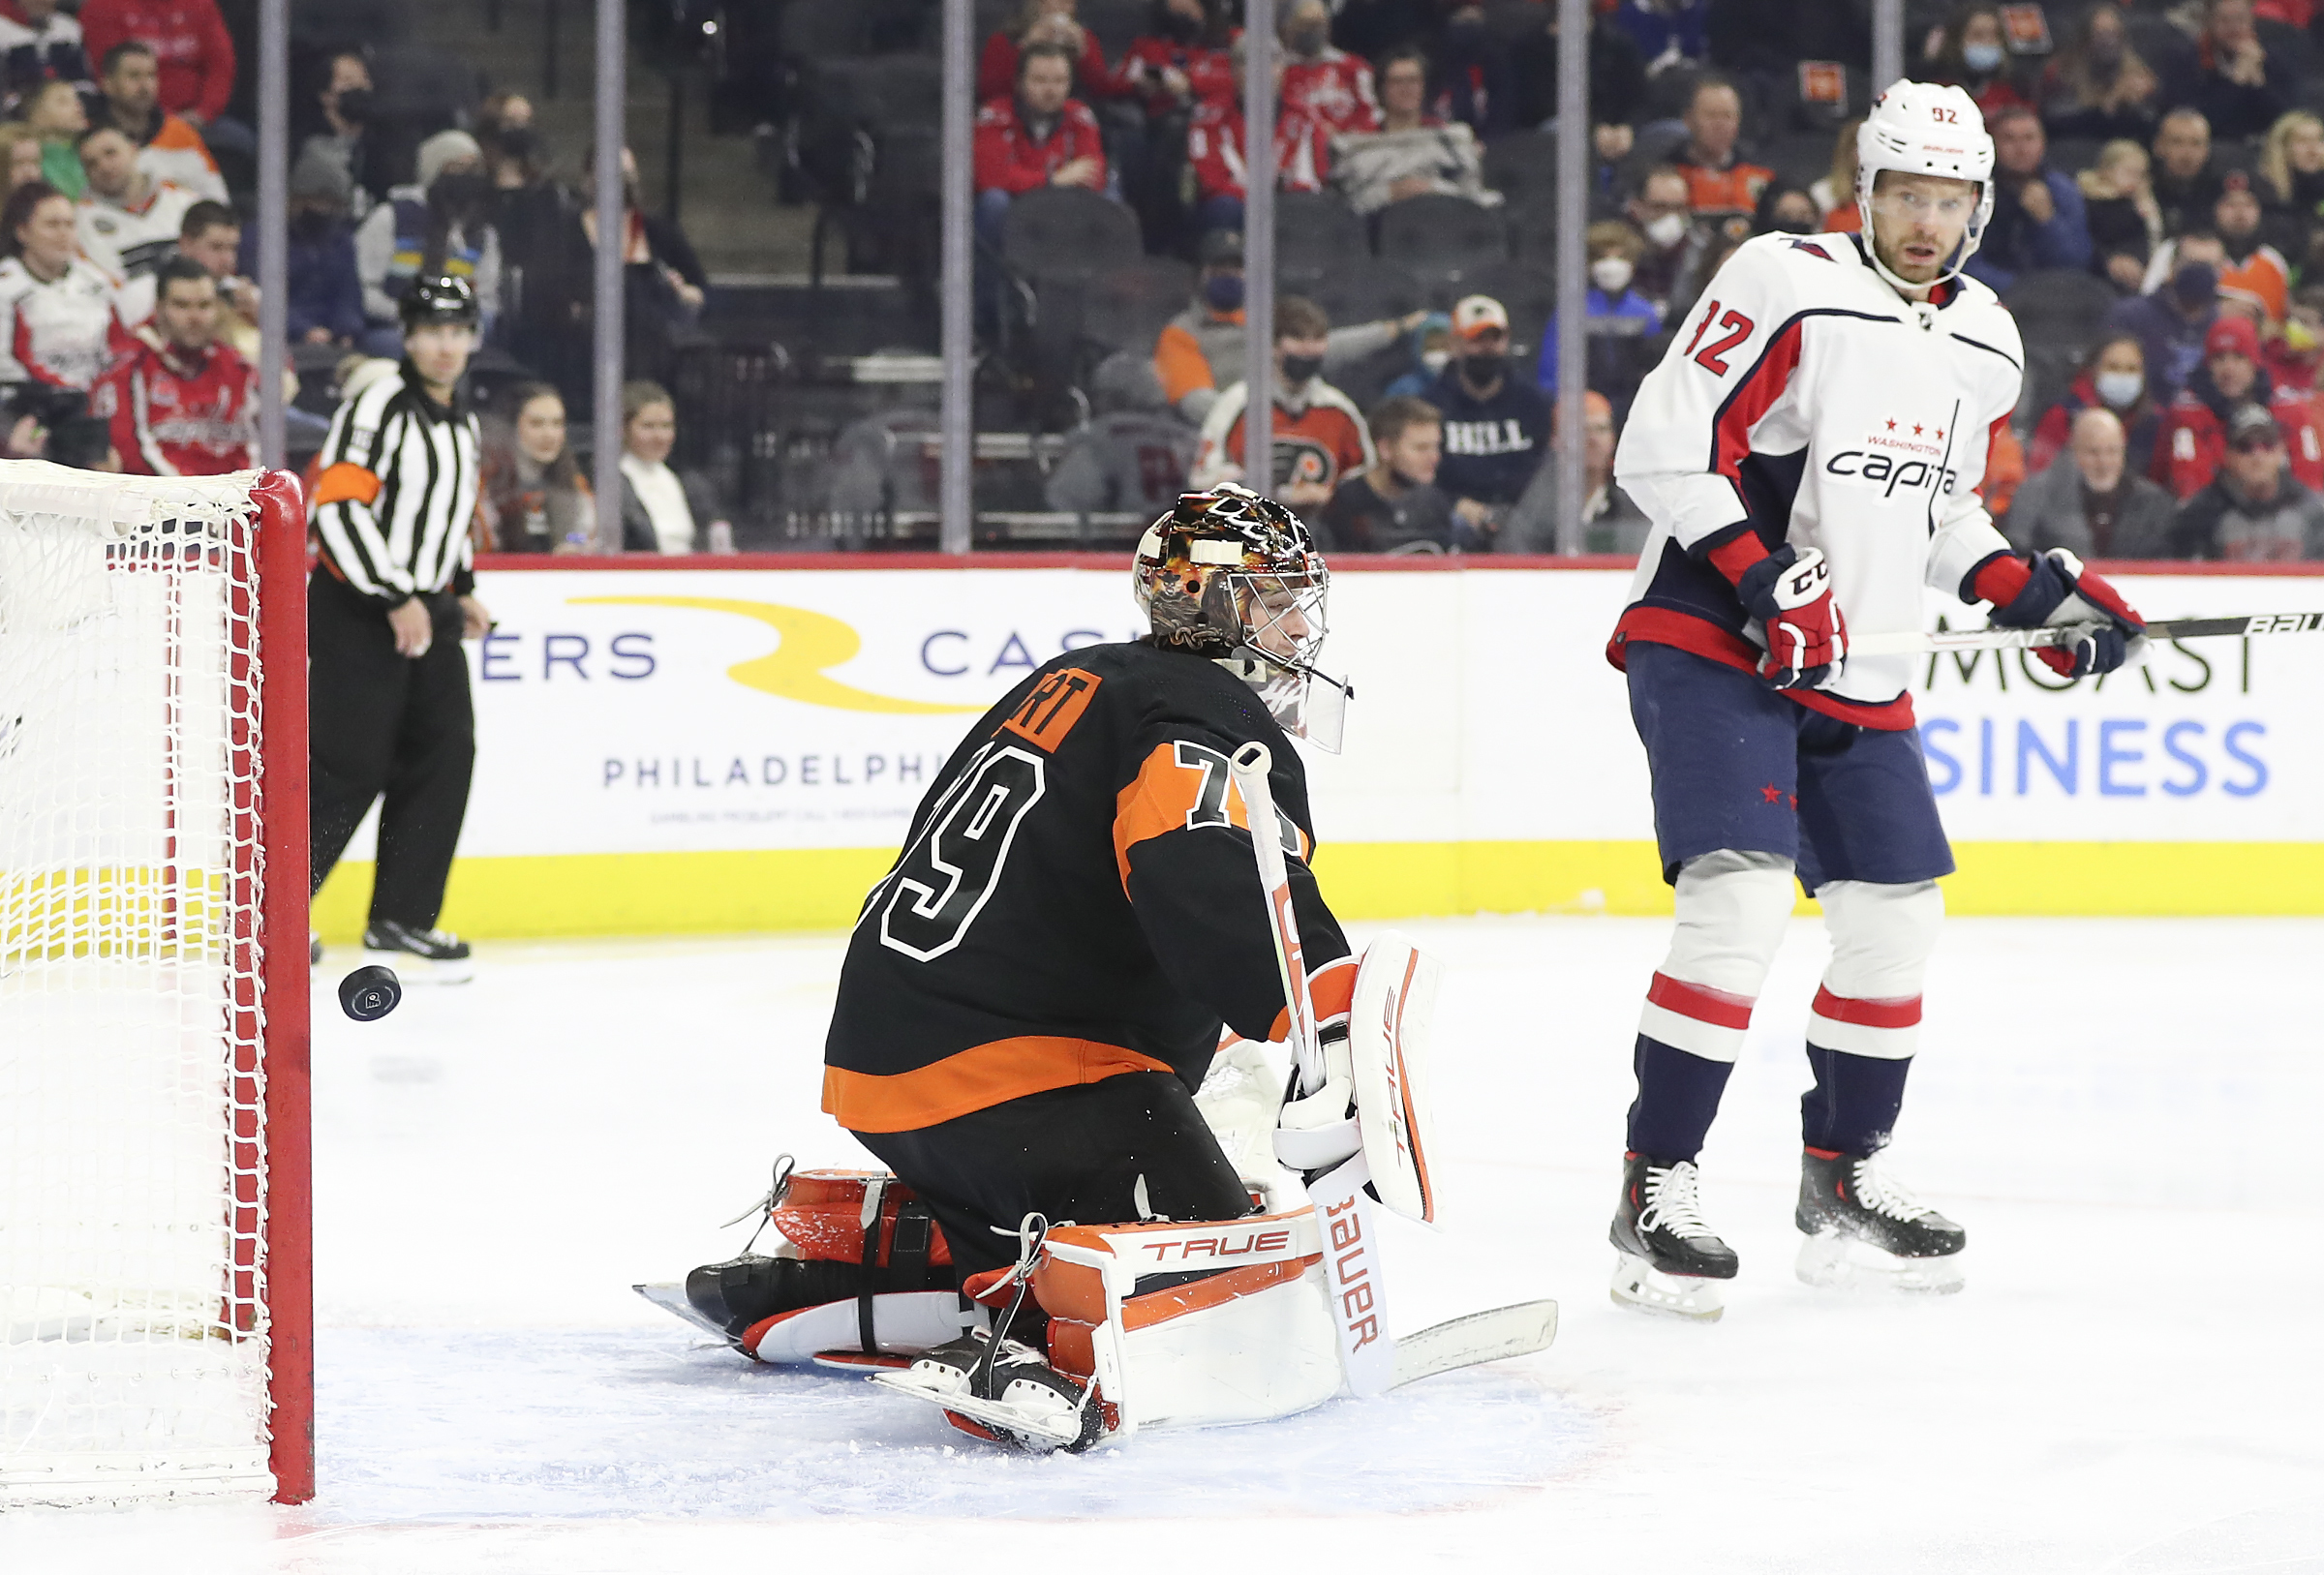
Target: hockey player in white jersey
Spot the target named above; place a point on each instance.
(1809, 451)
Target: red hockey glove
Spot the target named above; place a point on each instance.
(1790, 592)
(2052, 589)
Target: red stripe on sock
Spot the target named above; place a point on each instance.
(1721, 1008)
(1897, 1011)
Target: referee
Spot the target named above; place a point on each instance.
(390, 600)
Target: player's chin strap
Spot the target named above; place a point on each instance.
(1969, 241)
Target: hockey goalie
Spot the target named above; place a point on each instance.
(1103, 1213)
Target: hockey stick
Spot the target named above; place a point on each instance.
(1343, 1209)
(1918, 642)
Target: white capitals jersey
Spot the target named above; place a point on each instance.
(1807, 401)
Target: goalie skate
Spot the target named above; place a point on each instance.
(1865, 1232)
(1014, 1396)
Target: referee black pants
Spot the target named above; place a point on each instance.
(382, 725)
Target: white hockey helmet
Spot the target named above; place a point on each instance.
(1925, 129)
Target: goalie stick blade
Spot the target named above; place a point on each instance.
(1480, 1337)
(672, 1299)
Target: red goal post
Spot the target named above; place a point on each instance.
(156, 1265)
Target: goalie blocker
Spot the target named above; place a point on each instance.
(1149, 1324)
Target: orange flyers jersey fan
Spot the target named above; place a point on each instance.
(1324, 444)
(1077, 897)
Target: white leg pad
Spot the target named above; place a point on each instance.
(1881, 938)
(1732, 909)
(1248, 1339)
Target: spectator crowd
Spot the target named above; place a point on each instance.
(2158, 229)
(128, 337)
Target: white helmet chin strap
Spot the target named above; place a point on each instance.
(1967, 249)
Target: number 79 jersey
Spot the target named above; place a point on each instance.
(1077, 897)
(1805, 400)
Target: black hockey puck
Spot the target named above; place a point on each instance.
(370, 993)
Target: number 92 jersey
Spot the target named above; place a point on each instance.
(1806, 401)
(1076, 898)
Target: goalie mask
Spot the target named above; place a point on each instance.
(1236, 577)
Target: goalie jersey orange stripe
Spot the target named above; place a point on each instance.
(1004, 955)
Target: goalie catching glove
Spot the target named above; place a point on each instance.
(2052, 589)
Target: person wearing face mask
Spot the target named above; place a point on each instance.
(2113, 379)
(1200, 351)
(342, 132)
(1496, 425)
(1971, 52)
(2250, 269)
(322, 298)
(1183, 57)
(1396, 506)
(438, 226)
(2093, 502)
(1319, 433)
(1328, 86)
(2194, 439)
(1670, 267)
(1430, 347)
(1620, 319)
(2170, 324)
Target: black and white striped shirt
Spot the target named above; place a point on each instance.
(398, 490)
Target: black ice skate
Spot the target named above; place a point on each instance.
(427, 956)
(1002, 1390)
(1865, 1230)
(1670, 1261)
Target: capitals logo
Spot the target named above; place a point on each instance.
(1898, 454)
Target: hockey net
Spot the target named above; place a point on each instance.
(154, 1325)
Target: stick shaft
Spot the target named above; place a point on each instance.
(1250, 764)
(1919, 642)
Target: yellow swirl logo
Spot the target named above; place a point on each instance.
(796, 670)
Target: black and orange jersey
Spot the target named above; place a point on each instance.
(1077, 897)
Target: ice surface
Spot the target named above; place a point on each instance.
(2120, 1112)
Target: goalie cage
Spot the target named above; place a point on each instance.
(156, 1325)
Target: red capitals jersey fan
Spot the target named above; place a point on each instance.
(64, 331)
(175, 413)
(1333, 87)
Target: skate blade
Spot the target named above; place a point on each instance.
(1831, 1262)
(1015, 1425)
(412, 969)
(1639, 1284)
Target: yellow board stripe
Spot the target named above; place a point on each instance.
(672, 894)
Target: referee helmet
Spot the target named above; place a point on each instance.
(440, 298)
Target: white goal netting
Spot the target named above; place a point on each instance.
(133, 1334)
